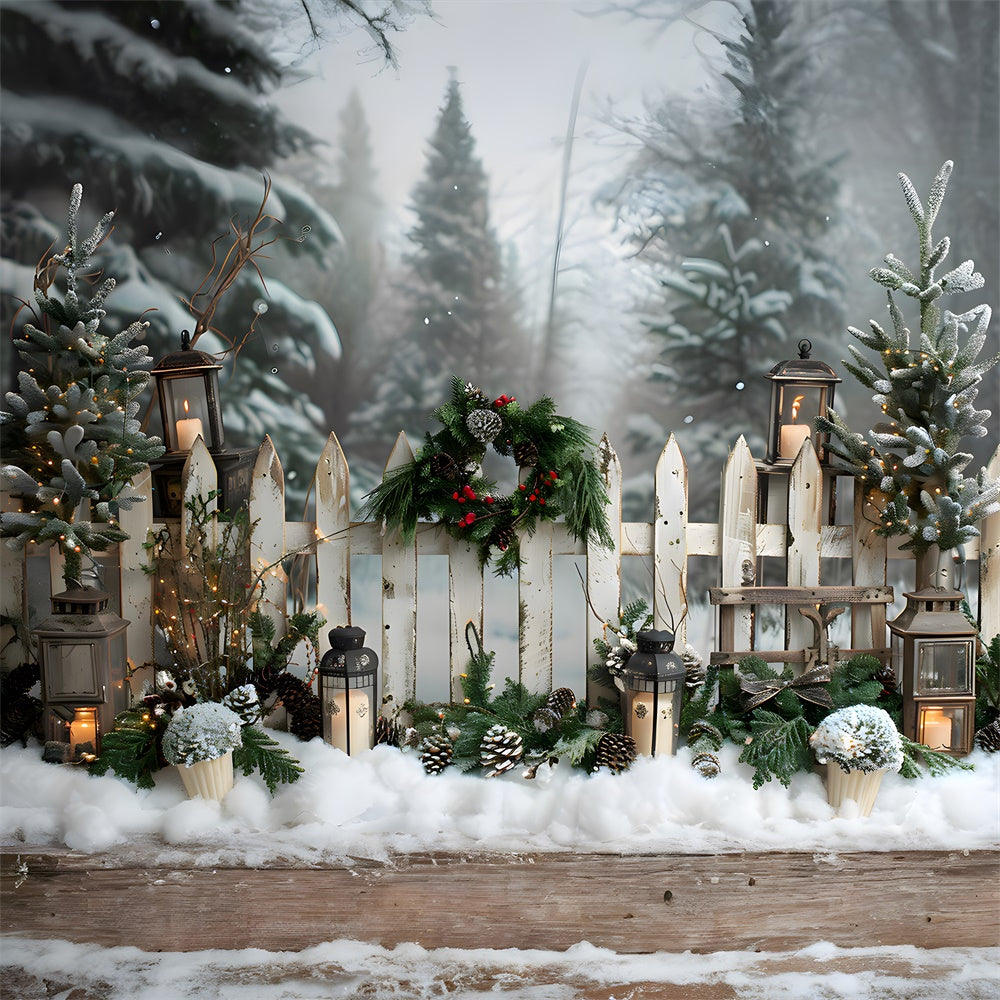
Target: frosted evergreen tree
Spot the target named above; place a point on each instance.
(912, 462)
(728, 207)
(460, 318)
(71, 440)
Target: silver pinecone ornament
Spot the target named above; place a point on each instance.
(483, 425)
(436, 753)
(500, 750)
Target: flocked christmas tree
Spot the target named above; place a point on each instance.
(71, 440)
(911, 462)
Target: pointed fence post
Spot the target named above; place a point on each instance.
(137, 586)
(868, 568)
(267, 542)
(989, 563)
(199, 477)
(399, 600)
(738, 539)
(805, 518)
(604, 567)
(332, 489)
(670, 542)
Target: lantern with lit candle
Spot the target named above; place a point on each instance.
(187, 386)
(653, 681)
(933, 651)
(801, 390)
(83, 667)
(347, 690)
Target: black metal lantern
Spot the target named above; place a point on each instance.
(651, 697)
(81, 649)
(187, 387)
(933, 654)
(801, 390)
(347, 690)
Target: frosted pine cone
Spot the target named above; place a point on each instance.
(435, 753)
(561, 701)
(500, 750)
(386, 731)
(245, 703)
(616, 752)
(484, 425)
(988, 738)
(706, 764)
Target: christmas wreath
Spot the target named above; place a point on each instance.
(445, 483)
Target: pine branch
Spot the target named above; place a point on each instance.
(778, 747)
(261, 753)
(130, 751)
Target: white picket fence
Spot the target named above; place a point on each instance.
(669, 539)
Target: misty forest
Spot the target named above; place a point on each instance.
(732, 220)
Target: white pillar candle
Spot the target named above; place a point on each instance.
(937, 729)
(642, 723)
(343, 703)
(188, 429)
(83, 730)
(792, 436)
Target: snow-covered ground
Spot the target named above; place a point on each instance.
(382, 802)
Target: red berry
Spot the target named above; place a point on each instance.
(487, 499)
(461, 499)
(522, 487)
(470, 517)
(541, 500)
(454, 496)
(533, 497)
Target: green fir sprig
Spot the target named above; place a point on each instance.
(261, 753)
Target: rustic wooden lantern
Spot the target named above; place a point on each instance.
(652, 694)
(187, 387)
(933, 653)
(81, 648)
(801, 390)
(347, 691)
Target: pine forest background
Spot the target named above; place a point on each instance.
(727, 221)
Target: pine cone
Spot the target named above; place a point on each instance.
(307, 720)
(443, 466)
(988, 738)
(245, 703)
(558, 703)
(475, 396)
(436, 753)
(21, 679)
(702, 731)
(525, 454)
(616, 752)
(484, 425)
(292, 691)
(18, 715)
(500, 749)
(501, 537)
(706, 764)
(887, 678)
(386, 731)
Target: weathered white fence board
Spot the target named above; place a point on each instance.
(670, 540)
(805, 514)
(267, 544)
(332, 491)
(738, 537)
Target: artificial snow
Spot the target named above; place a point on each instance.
(381, 802)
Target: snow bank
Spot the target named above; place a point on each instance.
(381, 802)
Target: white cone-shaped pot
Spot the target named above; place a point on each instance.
(211, 779)
(861, 786)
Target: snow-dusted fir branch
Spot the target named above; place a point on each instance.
(912, 463)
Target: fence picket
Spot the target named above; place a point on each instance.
(989, 563)
(604, 571)
(332, 490)
(137, 598)
(868, 560)
(200, 478)
(465, 604)
(738, 538)
(670, 547)
(805, 517)
(535, 610)
(267, 545)
(399, 600)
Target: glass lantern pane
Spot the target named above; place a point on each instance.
(83, 731)
(943, 666)
(70, 671)
(347, 720)
(797, 406)
(187, 414)
(941, 727)
(646, 709)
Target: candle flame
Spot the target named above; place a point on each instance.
(187, 408)
(796, 403)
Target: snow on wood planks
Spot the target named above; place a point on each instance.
(631, 904)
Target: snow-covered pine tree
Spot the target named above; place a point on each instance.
(460, 317)
(728, 206)
(911, 463)
(71, 440)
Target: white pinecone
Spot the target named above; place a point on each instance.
(500, 750)
(483, 425)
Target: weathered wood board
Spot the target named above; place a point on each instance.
(632, 904)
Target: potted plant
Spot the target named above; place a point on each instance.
(864, 743)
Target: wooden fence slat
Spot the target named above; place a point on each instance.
(465, 604)
(604, 566)
(535, 610)
(137, 596)
(200, 478)
(805, 517)
(738, 538)
(332, 490)
(267, 545)
(868, 564)
(989, 563)
(399, 600)
(670, 549)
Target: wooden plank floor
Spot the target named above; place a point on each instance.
(631, 904)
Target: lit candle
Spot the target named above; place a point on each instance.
(793, 434)
(187, 430)
(335, 721)
(642, 724)
(937, 729)
(83, 731)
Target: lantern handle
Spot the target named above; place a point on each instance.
(805, 348)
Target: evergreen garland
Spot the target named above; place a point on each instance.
(261, 753)
(912, 467)
(444, 482)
